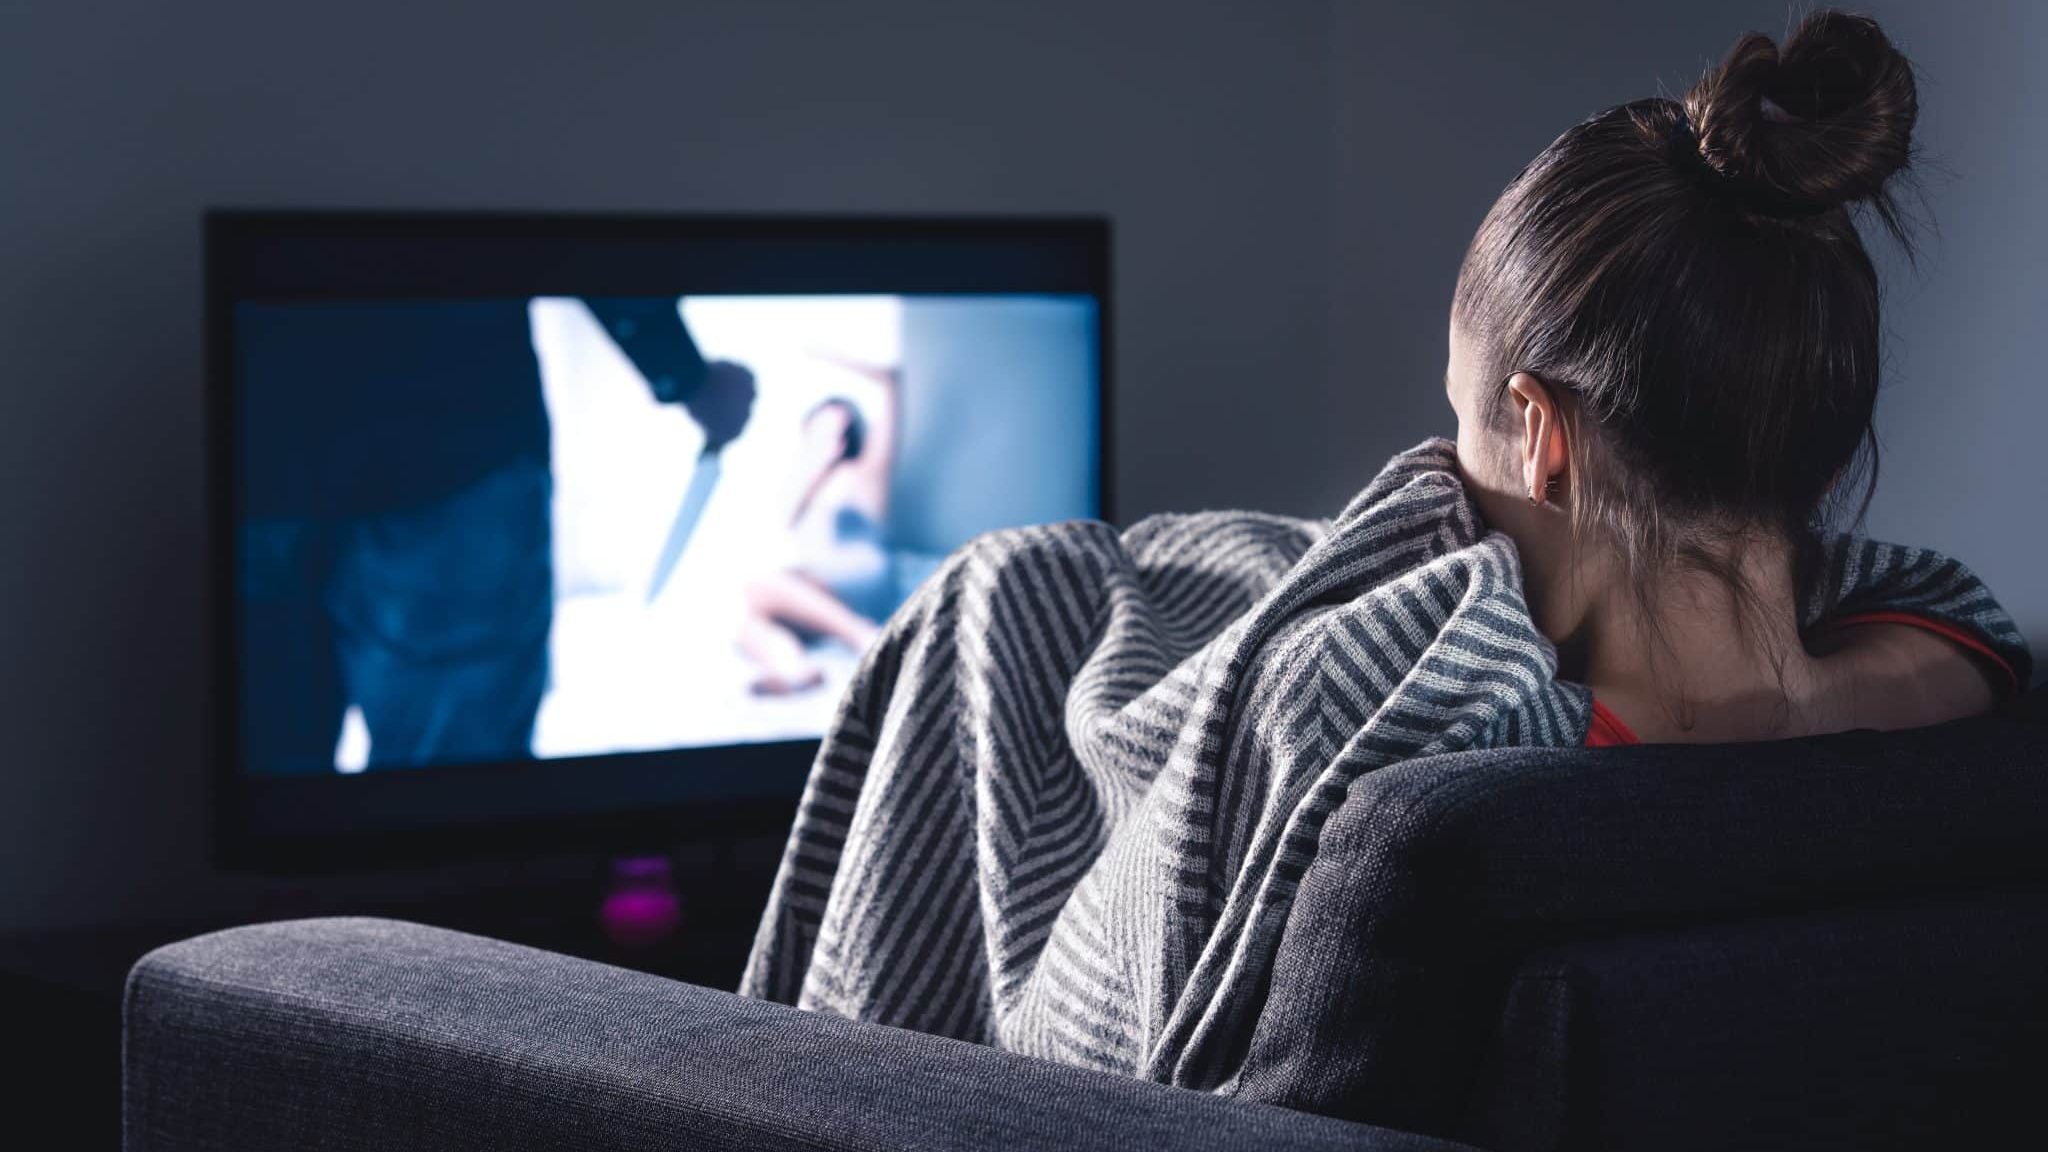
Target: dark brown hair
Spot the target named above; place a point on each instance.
(1688, 278)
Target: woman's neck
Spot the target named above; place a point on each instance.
(1696, 661)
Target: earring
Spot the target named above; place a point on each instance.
(1549, 493)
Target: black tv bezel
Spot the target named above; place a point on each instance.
(238, 843)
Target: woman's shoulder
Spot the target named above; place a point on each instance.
(1929, 599)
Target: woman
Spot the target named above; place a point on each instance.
(1067, 803)
(1664, 357)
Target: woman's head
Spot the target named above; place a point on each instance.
(1665, 334)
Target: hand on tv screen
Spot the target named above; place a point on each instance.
(721, 406)
(778, 605)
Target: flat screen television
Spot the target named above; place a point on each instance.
(551, 531)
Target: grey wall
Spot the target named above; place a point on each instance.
(1292, 183)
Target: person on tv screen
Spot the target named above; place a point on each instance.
(395, 553)
(840, 579)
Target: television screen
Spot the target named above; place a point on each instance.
(512, 536)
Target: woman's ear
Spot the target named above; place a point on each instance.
(1542, 449)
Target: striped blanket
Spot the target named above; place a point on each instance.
(1064, 806)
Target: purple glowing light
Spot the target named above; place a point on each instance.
(642, 907)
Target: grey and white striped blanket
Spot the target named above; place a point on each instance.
(1065, 803)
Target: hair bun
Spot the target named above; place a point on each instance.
(1823, 121)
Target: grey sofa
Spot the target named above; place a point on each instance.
(1820, 943)
(378, 1034)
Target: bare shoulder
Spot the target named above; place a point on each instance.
(1889, 676)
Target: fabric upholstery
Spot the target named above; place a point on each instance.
(367, 1034)
(1437, 879)
(1920, 1025)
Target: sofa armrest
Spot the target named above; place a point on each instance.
(370, 1034)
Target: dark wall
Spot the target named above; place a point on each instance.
(1292, 183)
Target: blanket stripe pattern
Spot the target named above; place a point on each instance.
(1066, 801)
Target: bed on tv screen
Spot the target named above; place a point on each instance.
(538, 525)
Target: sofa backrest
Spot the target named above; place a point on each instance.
(1922, 1024)
(1445, 892)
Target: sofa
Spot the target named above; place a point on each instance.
(1824, 943)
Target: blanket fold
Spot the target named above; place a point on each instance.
(1066, 802)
